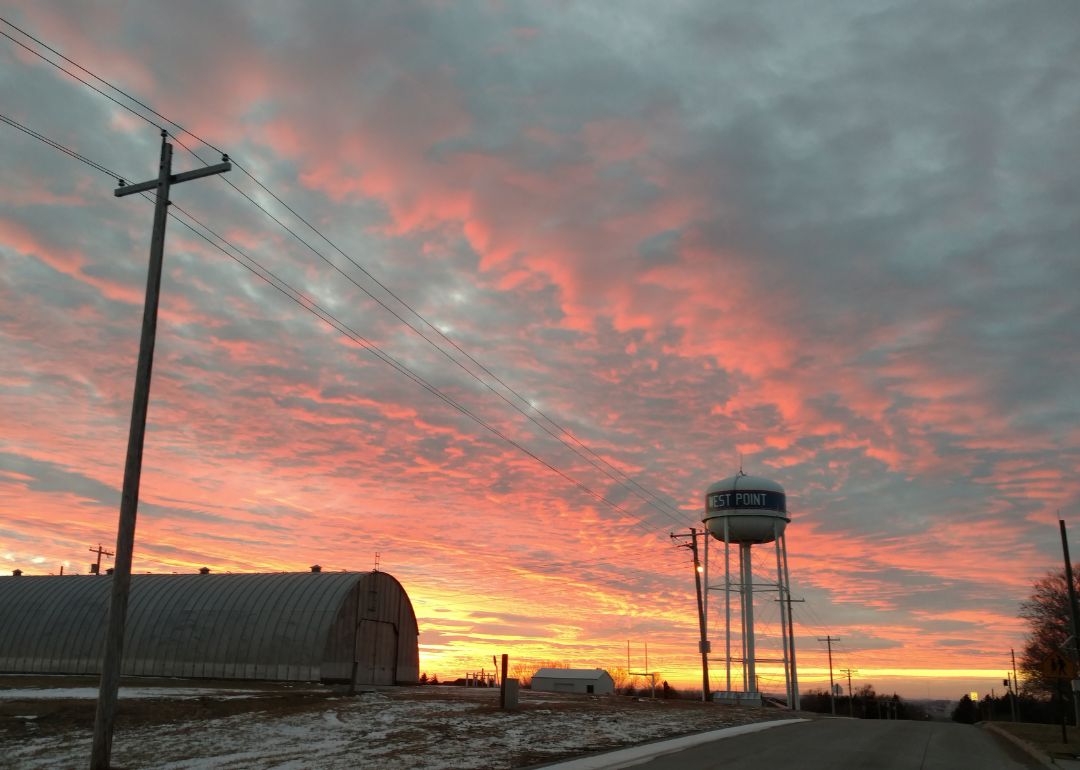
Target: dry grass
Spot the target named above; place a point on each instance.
(1046, 737)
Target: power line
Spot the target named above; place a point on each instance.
(321, 313)
(72, 74)
(55, 145)
(678, 514)
(102, 81)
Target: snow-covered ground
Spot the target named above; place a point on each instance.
(415, 728)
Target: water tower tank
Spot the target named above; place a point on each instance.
(755, 509)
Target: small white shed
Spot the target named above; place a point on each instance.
(593, 681)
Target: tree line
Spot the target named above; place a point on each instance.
(866, 703)
(1049, 629)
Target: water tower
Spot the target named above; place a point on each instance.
(747, 511)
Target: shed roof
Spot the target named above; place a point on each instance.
(570, 673)
(262, 626)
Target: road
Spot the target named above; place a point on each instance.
(839, 744)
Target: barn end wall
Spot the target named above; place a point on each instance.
(377, 624)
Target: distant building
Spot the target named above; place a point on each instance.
(594, 681)
(287, 626)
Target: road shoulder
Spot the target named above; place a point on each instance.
(638, 754)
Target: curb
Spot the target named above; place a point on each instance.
(638, 754)
(1030, 748)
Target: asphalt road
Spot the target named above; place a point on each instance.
(838, 744)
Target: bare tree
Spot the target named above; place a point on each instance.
(523, 670)
(1047, 614)
(621, 677)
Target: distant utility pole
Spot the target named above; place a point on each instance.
(850, 694)
(129, 500)
(1074, 614)
(96, 568)
(1016, 685)
(703, 644)
(832, 687)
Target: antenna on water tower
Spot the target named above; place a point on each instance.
(376, 561)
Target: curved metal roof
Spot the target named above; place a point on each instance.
(250, 626)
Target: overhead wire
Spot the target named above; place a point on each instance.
(73, 75)
(55, 145)
(672, 510)
(311, 306)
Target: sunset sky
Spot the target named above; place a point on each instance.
(839, 239)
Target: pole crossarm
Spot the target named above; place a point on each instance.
(186, 176)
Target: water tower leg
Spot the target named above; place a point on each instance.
(727, 600)
(742, 612)
(791, 627)
(748, 600)
(783, 615)
(705, 576)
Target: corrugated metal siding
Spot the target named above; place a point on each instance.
(279, 626)
(377, 603)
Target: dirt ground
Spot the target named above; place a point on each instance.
(199, 724)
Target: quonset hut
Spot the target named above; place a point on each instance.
(288, 626)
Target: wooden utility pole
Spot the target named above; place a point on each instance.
(832, 687)
(100, 552)
(706, 694)
(129, 500)
(703, 643)
(1074, 614)
(502, 681)
(1016, 685)
(850, 693)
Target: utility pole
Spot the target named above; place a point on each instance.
(703, 644)
(1016, 684)
(502, 681)
(1074, 614)
(850, 694)
(832, 687)
(129, 500)
(100, 552)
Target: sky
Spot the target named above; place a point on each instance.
(837, 242)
